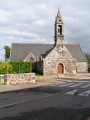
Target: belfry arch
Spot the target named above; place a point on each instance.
(60, 29)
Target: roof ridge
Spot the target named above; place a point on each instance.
(71, 44)
(35, 43)
(44, 43)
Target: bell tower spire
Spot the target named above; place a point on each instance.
(59, 29)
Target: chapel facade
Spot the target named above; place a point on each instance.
(52, 59)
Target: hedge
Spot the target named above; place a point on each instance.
(15, 67)
(3, 67)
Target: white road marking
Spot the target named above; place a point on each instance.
(75, 85)
(58, 84)
(67, 84)
(54, 85)
(85, 86)
(86, 93)
(71, 92)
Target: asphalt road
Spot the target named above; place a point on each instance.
(66, 101)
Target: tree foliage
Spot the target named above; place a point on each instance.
(88, 58)
(7, 53)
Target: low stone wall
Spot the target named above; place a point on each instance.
(19, 78)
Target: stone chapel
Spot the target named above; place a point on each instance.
(52, 59)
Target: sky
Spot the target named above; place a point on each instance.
(32, 21)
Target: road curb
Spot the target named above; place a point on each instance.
(19, 90)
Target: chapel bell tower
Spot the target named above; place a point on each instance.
(59, 30)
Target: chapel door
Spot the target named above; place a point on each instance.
(60, 69)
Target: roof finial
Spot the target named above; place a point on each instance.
(59, 14)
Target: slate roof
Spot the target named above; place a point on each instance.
(76, 52)
(20, 51)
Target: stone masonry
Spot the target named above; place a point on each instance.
(19, 78)
(82, 67)
(59, 55)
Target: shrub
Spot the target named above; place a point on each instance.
(89, 68)
(15, 67)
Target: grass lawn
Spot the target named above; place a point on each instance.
(36, 74)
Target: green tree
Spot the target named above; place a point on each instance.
(88, 58)
(7, 53)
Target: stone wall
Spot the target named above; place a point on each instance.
(19, 78)
(82, 67)
(59, 55)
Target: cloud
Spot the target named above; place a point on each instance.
(18, 33)
(4, 16)
(39, 23)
